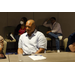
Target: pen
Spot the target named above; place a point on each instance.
(37, 55)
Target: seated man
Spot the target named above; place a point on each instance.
(71, 43)
(55, 31)
(1, 47)
(32, 41)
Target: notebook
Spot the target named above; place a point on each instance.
(37, 57)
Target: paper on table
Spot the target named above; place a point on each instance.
(38, 57)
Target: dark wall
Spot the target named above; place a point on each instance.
(66, 19)
(12, 19)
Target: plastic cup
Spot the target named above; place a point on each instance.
(20, 57)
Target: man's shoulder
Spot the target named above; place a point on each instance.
(39, 33)
(57, 23)
(72, 34)
(24, 34)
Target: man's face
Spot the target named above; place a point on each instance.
(52, 21)
(29, 27)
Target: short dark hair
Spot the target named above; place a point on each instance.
(53, 18)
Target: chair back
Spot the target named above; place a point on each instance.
(43, 29)
(8, 29)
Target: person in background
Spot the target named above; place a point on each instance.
(33, 41)
(20, 29)
(1, 47)
(71, 43)
(55, 31)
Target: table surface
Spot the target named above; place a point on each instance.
(50, 57)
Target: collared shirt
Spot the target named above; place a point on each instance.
(32, 44)
(55, 28)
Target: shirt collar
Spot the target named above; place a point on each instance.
(54, 23)
(33, 34)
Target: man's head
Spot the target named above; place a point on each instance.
(52, 19)
(30, 26)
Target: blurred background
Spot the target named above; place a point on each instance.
(66, 20)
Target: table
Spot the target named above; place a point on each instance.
(13, 58)
(50, 57)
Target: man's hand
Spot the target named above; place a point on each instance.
(72, 48)
(41, 50)
(1, 55)
(48, 32)
(48, 19)
(20, 51)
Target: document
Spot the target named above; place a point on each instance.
(37, 57)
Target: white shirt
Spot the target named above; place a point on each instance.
(55, 28)
(31, 44)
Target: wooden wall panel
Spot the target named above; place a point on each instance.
(39, 17)
(14, 17)
(3, 22)
(67, 21)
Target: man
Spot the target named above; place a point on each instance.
(55, 31)
(71, 43)
(2, 56)
(32, 41)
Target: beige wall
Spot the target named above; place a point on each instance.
(14, 17)
(3, 22)
(39, 17)
(66, 19)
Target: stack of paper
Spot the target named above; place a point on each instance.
(38, 57)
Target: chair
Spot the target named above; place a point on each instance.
(5, 46)
(7, 30)
(65, 43)
(11, 44)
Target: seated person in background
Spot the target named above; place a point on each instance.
(20, 29)
(55, 30)
(32, 41)
(71, 43)
(1, 47)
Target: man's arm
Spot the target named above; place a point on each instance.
(42, 43)
(45, 23)
(20, 51)
(41, 50)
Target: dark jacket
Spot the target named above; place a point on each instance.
(71, 40)
(17, 29)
